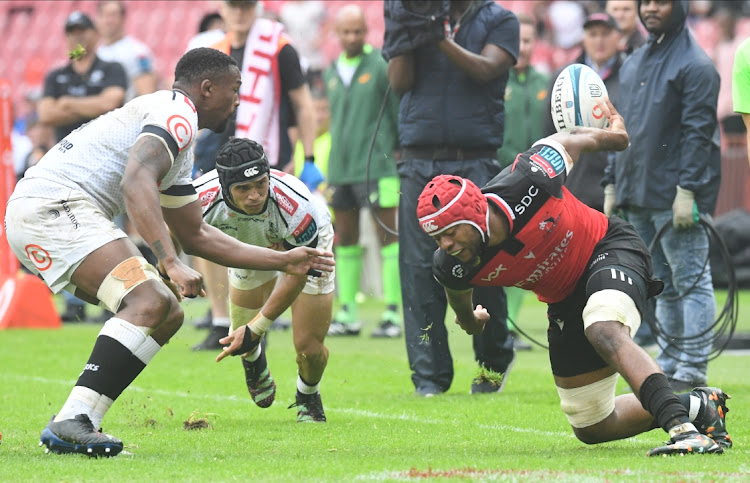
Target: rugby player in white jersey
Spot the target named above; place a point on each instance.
(59, 224)
(264, 207)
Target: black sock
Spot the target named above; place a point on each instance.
(110, 368)
(657, 398)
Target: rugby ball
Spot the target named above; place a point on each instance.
(574, 98)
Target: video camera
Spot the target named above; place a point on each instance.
(412, 23)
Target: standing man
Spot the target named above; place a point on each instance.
(274, 96)
(525, 97)
(137, 159)
(595, 275)
(451, 120)
(134, 55)
(625, 12)
(75, 94)
(671, 176)
(357, 82)
(601, 37)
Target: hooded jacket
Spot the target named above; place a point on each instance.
(668, 94)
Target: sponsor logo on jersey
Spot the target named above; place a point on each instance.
(495, 273)
(208, 196)
(64, 146)
(526, 200)
(306, 230)
(38, 256)
(429, 226)
(458, 271)
(549, 160)
(285, 203)
(549, 263)
(181, 129)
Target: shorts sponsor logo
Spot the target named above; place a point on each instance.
(39, 257)
(285, 203)
(599, 258)
(54, 214)
(429, 226)
(180, 128)
(71, 216)
(208, 196)
(306, 230)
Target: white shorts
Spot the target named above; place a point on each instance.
(250, 279)
(52, 237)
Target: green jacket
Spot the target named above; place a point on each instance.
(354, 114)
(524, 113)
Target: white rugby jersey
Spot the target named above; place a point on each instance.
(92, 158)
(133, 55)
(291, 218)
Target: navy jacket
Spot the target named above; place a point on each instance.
(445, 107)
(668, 94)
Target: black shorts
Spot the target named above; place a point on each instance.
(620, 261)
(382, 193)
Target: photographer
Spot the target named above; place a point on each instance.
(449, 61)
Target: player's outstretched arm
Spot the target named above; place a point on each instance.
(589, 139)
(203, 240)
(469, 319)
(148, 162)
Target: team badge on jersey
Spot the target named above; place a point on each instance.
(180, 128)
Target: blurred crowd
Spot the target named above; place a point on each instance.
(556, 35)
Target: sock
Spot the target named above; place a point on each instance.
(693, 404)
(222, 322)
(659, 400)
(391, 277)
(120, 353)
(348, 272)
(255, 354)
(515, 297)
(305, 387)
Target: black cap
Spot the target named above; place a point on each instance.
(79, 20)
(601, 18)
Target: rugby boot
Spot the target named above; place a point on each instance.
(309, 408)
(687, 443)
(78, 435)
(712, 419)
(259, 381)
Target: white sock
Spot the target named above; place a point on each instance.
(695, 406)
(255, 354)
(101, 408)
(222, 322)
(304, 388)
(82, 400)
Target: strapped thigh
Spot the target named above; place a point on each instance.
(123, 279)
(587, 405)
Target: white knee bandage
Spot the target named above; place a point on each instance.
(587, 405)
(241, 315)
(614, 305)
(123, 279)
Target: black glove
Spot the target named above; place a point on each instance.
(248, 344)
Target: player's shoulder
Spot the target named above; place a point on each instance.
(209, 191)
(450, 272)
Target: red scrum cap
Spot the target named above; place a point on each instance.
(449, 200)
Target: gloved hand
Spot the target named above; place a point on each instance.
(684, 210)
(610, 201)
(310, 174)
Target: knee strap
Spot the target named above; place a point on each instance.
(587, 405)
(123, 279)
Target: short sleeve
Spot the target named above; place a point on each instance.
(741, 78)
(115, 76)
(50, 85)
(450, 272)
(505, 33)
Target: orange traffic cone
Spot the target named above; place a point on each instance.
(26, 303)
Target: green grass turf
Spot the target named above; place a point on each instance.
(377, 428)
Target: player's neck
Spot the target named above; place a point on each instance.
(499, 227)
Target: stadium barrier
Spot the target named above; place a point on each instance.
(25, 301)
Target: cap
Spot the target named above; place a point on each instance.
(78, 19)
(450, 200)
(241, 3)
(601, 18)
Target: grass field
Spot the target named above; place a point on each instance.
(377, 428)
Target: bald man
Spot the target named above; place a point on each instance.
(357, 82)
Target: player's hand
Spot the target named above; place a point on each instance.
(616, 126)
(300, 260)
(239, 342)
(189, 282)
(476, 326)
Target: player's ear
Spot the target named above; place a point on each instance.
(206, 87)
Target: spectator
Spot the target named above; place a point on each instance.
(741, 85)
(669, 175)
(357, 83)
(723, 57)
(625, 13)
(273, 96)
(305, 21)
(601, 38)
(451, 120)
(210, 31)
(77, 93)
(133, 54)
(524, 99)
